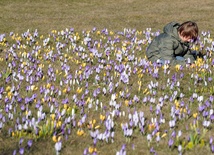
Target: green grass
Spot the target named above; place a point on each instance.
(19, 16)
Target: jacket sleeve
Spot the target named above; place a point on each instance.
(167, 47)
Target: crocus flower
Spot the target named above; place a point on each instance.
(21, 150)
(14, 152)
(21, 141)
(124, 77)
(170, 142)
(212, 148)
(122, 151)
(211, 99)
(149, 137)
(206, 124)
(58, 146)
(211, 140)
(179, 148)
(172, 123)
(29, 143)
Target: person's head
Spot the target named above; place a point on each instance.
(188, 31)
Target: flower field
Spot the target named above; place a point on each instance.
(94, 92)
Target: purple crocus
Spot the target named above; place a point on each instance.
(212, 117)
(144, 99)
(211, 140)
(85, 151)
(21, 150)
(29, 143)
(21, 141)
(124, 77)
(212, 148)
(211, 98)
(14, 152)
(209, 79)
(170, 142)
(152, 150)
(150, 108)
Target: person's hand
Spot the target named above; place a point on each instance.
(192, 65)
(200, 54)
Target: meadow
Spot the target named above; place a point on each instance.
(74, 79)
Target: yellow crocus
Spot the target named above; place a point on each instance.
(90, 149)
(65, 106)
(26, 112)
(80, 132)
(83, 64)
(88, 100)
(97, 127)
(164, 135)
(102, 117)
(195, 115)
(33, 88)
(54, 138)
(64, 90)
(79, 124)
(127, 102)
(9, 94)
(79, 90)
(177, 104)
(57, 71)
(52, 116)
(59, 138)
(98, 33)
(145, 91)
(177, 67)
(58, 124)
(151, 126)
(158, 133)
(48, 86)
(8, 88)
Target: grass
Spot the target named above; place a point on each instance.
(82, 91)
(18, 16)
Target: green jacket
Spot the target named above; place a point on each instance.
(168, 45)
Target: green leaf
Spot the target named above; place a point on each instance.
(191, 138)
(202, 143)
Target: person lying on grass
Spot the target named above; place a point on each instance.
(174, 44)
